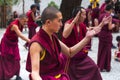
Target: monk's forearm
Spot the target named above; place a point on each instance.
(75, 49)
(24, 38)
(68, 29)
(101, 24)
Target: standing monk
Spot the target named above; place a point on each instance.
(10, 57)
(31, 14)
(44, 61)
(81, 66)
(105, 42)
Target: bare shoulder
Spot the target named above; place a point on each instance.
(14, 27)
(35, 46)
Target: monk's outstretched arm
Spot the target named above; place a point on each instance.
(19, 33)
(76, 48)
(35, 50)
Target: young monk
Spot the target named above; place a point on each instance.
(31, 14)
(105, 42)
(44, 61)
(81, 66)
(10, 57)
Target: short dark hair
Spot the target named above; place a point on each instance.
(76, 10)
(109, 7)
(49, 13)
(118, 38)
(107, 1)
(33, 6)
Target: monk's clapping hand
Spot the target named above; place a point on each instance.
(90, 33)
(106, 20)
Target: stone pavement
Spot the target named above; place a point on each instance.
(114, 74)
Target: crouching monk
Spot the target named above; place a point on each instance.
(9, 56)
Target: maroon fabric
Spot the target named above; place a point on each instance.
(31, 25)
(46, 77)
(75, 37)
(104, 49)
(102, 8)
(11, 35)
(86, 20)
(31, 22)
(52, 64)
(10, 57)
(9, 49)
(95, 14)
(8, 67)
(81, 67)
(84, 70)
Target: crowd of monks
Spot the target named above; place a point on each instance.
(52, 59)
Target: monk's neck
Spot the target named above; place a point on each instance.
(47, 31)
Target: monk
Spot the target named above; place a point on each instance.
(31, 14)
(105, 42)
(103, 6)
(81, 66)
(9, 54)
(32, 25)
(44, 60)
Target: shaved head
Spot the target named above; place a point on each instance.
(49, 13)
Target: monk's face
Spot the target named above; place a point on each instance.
(82, 15)
(23, 21)
(56, 23)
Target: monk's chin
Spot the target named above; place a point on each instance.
(56, 31)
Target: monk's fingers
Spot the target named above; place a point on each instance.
(97, 29)
(113, 25)
(90, 33)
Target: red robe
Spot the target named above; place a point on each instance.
(102, 8)
(52, 63)
(81, 66)
(10, 57)
(104, 49)
(31, 25)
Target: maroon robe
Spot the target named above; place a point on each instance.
(104, 49)
(95, 14)
(52, 63)
(81, 66)
(31, 25)
(102, 8)
(10, 57)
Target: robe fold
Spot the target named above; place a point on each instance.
(81, 67)
(10, 57)
(52, 64)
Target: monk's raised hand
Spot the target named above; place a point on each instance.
(106, 20)
(90, 33)
(97, 29)
(76, 17)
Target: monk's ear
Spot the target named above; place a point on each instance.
(48, 22)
